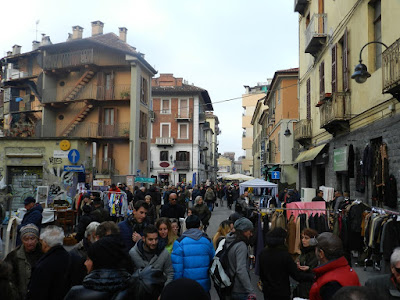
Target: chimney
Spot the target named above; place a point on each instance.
(97, 28)
(122, 33)
(35, 45)
(9, 53)
(16, 49)
(77, 32)
(69, 37)
(45, 40)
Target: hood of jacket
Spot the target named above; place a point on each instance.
(37, 207)
(194, 233)
(107, 280)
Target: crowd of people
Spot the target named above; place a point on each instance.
(162, 251)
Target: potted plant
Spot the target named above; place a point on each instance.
(125, 95)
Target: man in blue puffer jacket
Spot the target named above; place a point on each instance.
(193, 253)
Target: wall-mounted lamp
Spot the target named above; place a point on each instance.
(361, 74)
(287, 131)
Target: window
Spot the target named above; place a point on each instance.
(345, 63)
(334, 68)
(278, 92)
(109, 116)
(143, 151)
(308, 97)
(322, 80)
(165, 129)
(377, 33)
(165, 106)
(143, 125)
(164, 156)
(183, 108)
(182, 156)
(144, 97)
(183, 131)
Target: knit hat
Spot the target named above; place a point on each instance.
(29, 229)
(29, 200)
(243, 224)
(182, 289)
(192, 221)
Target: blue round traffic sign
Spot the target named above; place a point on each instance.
(74, 156)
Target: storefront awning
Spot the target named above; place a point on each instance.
(309, 154)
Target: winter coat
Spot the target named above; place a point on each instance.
(32, 216)
(103, 284)
(84, 221)
(151, 213)
(127, 228)
(203, 212)
(7, 289)
(100, 214)
(22, 269)
(161, 260)
(173, 211)
(209, 196)
(195, 193)
(306, 258)
(276, 265)
(337, 271)
(238, 257)
(78, 257)
(192, 255)
(384, 286)
(50, 278)
(155, 196)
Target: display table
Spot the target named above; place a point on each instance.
(49, 215)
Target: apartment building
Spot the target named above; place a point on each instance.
(259, 136)
(342, 120)
(278, 123)
(184, 132)
(225, 166)
(249, 102)
(82, 91)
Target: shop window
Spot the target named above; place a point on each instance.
(163, 155)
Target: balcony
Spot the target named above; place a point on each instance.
(336, 113)
(316, 34)
(107, 167)
(182, 165)
(303, 132)
(69, 59)
(164, 141)
(183, 116)
(100, 130)
(88, 92)
(15, 74)
(300, 6)
(391, 70)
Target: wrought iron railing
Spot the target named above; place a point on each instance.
(182, 165)
(68, 59)
(316, 28)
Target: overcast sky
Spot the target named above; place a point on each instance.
(218, 45)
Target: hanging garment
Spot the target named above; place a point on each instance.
(350, 162)
(390, 198)
(291, 239)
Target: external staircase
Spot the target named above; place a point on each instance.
(78, 118)
(80, 84)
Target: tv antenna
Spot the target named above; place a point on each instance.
(37, 23)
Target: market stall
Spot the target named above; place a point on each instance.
(258, 184)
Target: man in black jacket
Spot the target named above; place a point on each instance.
(173, 209)
(50, 278)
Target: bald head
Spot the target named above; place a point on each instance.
(172, 198)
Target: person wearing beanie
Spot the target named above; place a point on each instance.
(276, 265)
(192, 254)
(333, 271)
(24, 258)
(33, 215)
(107, 276)
(183, 289)
(238, 257)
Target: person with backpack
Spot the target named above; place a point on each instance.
(236, 244)
(209, 197)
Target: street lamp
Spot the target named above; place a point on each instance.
(287, 131)
(361, 74)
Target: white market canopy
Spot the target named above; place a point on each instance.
(238, 176)
(259, 183)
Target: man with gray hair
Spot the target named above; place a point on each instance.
(50, 278)
(79, 254)
(387, 285)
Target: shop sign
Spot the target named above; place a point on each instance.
(145, 179)
(60, 154)
(340, 159)
(98, 182)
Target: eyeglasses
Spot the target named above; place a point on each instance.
(397, 270)
(173, 199)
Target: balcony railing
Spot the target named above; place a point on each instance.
(107, 167)
(164, 141)
(183, 116)
(99, 130)
(302, 130)
(391, 68)
(300, 6)
(182, 165)
(89, 92)
(316, 33)
(336, 111)
(69, 59)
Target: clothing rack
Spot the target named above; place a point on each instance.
(384, 211)
(283, 208)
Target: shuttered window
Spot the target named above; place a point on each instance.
(308, 97)
(143, 151)
(322, 80)
(345, 62)
(334, 68)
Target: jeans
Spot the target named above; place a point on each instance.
(240, 296)
(210, 205)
